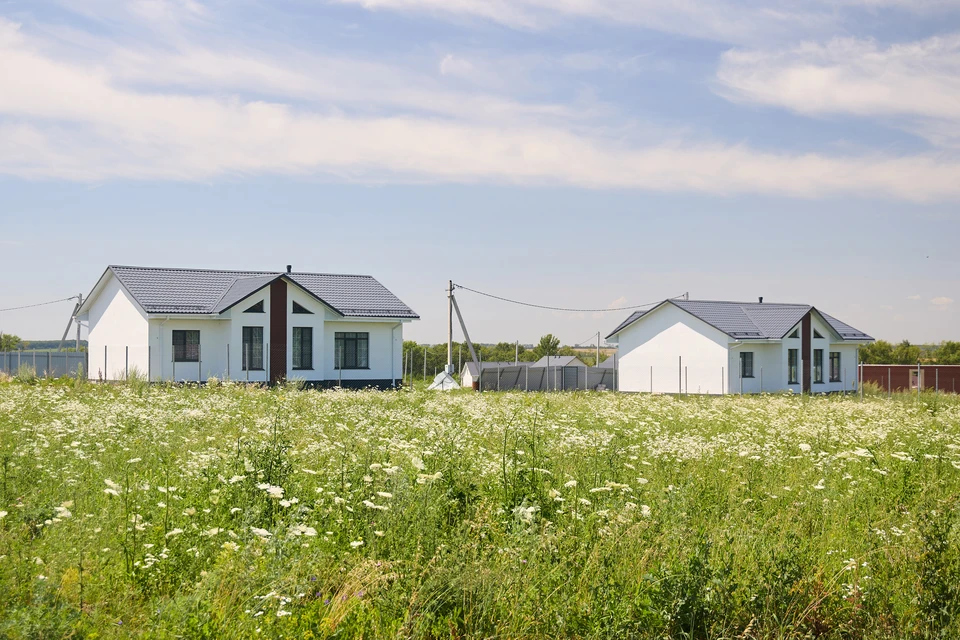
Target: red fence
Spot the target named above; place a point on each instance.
(904, 377)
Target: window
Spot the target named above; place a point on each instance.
(793, 356)
(795, 334)
(257, 308)
(186, 346)
(746, 364)
(834, 366)
(818, 365)
(302, 347)
(816, 334)
(299, 308)
(252, 349)
(352, 350)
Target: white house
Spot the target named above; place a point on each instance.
(714, 347)
(190, 324)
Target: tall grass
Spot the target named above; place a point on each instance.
(234, 512)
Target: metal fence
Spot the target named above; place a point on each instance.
(52, 364)
(522, 378)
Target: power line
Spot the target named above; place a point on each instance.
(39, 304)
(548, 308)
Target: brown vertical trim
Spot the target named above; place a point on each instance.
(278, 331)
(806, 337)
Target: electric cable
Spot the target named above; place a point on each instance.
(549, 308)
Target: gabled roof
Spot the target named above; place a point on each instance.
(208, 291)
(559, 361)
(750, 320)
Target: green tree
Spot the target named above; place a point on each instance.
(10, 342)
(879, 352)
(906, 353)
(947, 353)
(548, 346)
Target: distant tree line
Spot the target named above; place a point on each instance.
(436, 355)
(11, 342)
(883, 352)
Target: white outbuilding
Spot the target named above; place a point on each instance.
(718, 347)
(258, 326)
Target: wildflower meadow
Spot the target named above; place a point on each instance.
(224, 511)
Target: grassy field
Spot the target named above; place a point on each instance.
(226, 512)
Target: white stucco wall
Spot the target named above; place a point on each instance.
(666, 340)
(214, 335)
(385, 357)
(238, 319)
(117, 326)
(315, 321)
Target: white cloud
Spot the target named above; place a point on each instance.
(914, 85)
(84, 122)
(941, 301)
(914, 297)
(722, 20)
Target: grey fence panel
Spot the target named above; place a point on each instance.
(548, 379)
(50, 364)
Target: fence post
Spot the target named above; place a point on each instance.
(246, 362)
(686, 382)
(34, 362)
(49, 366)
(106, 376)
(199, 363)
(498, 376)
(919, 382)
(228, 361)
(149, 361)
(424, 363)
(761, 380)
(740, 376)
(126, 362)
(889, 384)
(526, 378)
(680, 375)
(723, 390)
(936, 388)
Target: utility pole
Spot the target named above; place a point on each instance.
(516, 355)
(450, 328)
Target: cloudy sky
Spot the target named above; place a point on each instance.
(575, 153)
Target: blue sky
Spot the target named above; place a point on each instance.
(579, 153)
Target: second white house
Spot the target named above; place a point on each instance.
(717, 347)
(190, 324)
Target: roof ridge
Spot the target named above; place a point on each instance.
(250, 273)
(781, 304)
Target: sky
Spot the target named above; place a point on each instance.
(588, 154)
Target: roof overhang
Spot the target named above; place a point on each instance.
(98, 288)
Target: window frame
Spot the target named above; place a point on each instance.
(299, 309)
(818, 366)
(816, 334)
(793, 366)
(340, 344)
(243, 351)
(835, 368)
(298, 354)
(746, 372)
(795, 334)
(256, 307)
(184, 354)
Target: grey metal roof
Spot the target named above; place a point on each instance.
(752, 320)
(166, 290)
(558, 361)
(609, 363)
